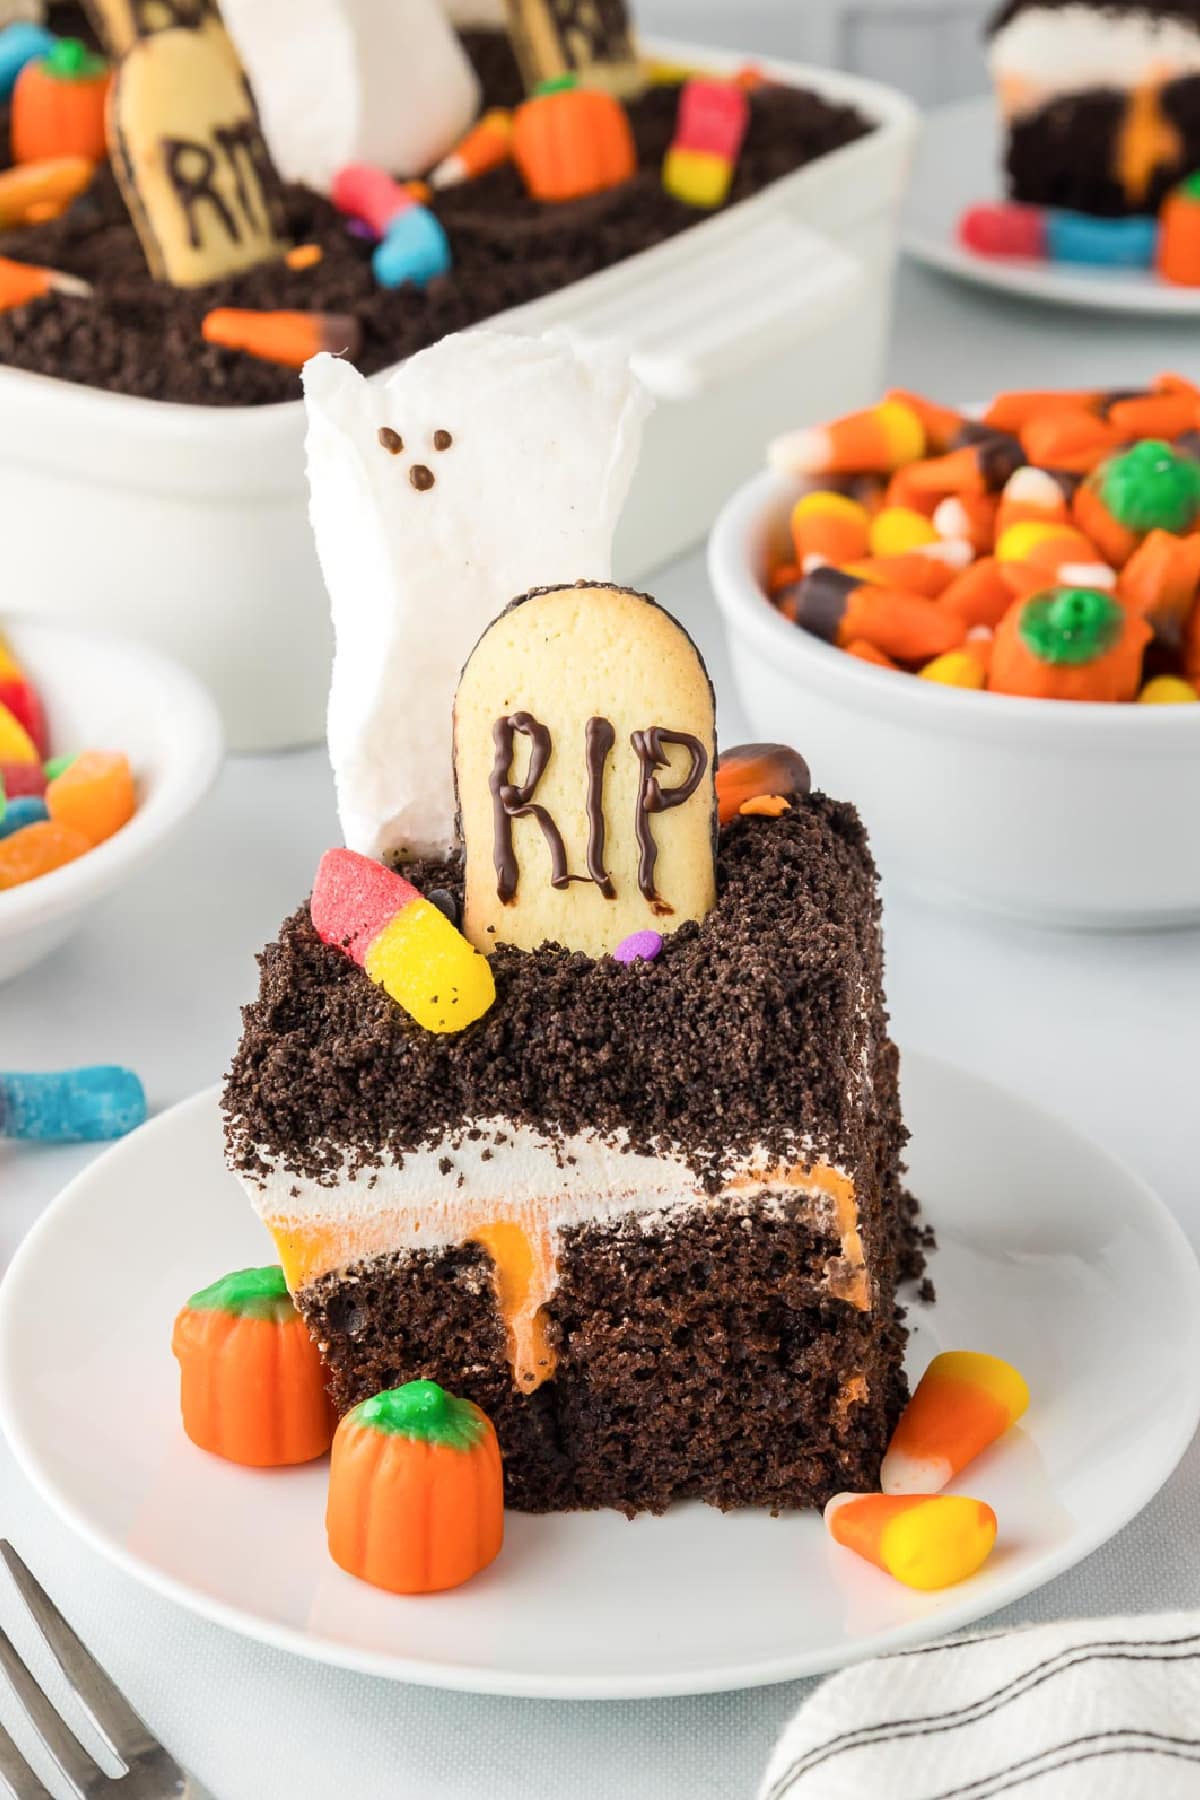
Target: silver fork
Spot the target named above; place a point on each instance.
(150, 1774)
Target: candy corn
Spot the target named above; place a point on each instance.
(1033, 552)
(486, 146)
(963, 1402)
(829, 528)
(1160, 580)
(53, 183)
(1030, 493)
(289, 338)
(926, 1541)
(874, 442)
(840, 608)
(957, 668)
(404, 943)
(980, 595)
(709, 130)
(752, 772)
(22, 282)
(1168, 690)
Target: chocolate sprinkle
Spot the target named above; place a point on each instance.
(442, 440)
(391, 440)
(421, 477)
(138, 336)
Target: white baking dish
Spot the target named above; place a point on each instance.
(186, 525)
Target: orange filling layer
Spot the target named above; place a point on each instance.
(523, 1247)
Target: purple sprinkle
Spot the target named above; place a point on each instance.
(360, 229)
(639, 946)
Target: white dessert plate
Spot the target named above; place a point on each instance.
(1051, 1254)
(958, 165)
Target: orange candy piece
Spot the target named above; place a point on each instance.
(964, 1401)
(416, 1491)
(926, 1541)
(868, 653)
(37, 850)
(980, 595)
(751, 771)
(1162, 577)
(1076, 442)
(94, 795)
(829, 527)
(251, 1381)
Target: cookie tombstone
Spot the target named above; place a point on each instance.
(187, 147)
(584, 759)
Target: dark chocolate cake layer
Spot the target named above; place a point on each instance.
(701, 1351)
(134, 335)
(1064, 153)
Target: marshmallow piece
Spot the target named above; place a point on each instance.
(477, 15)
(345, 81)
(483, 467)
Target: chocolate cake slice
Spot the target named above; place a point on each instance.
(648, 1215)
(1101, 101)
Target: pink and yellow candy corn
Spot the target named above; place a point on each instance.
(709, 129)
(926, 1541)
(404, 943)
(964, 1401)
(19, 696)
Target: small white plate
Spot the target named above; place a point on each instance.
(1051, 1254)
(958, 164)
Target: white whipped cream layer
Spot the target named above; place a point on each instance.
(432, 1197)
(1045, 52)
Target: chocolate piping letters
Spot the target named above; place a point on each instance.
(653, 798)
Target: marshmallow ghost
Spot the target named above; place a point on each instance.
(344, 81)
(483, 467)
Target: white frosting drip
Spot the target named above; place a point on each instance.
(1047, 51)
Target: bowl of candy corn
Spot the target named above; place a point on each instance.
(106, 747)
(983, 626)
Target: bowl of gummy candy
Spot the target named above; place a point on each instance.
(982, 625)
(106, 747)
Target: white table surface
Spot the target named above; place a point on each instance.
(1106, 1029)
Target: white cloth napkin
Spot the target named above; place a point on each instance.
(1093, 1709)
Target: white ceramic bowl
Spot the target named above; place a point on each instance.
(106, 693)
(1060, 813)
(187, 526)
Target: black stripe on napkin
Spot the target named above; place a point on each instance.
(1049, 1762)
(1115, 1650)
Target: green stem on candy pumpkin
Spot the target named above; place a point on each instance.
(248, 1294)
(423, 1411)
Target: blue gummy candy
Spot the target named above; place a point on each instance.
(1073, 237)
(20, 43)
(415, 248)
(72, 1106)
(26, 809)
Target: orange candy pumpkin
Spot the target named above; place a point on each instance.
(416, 1491)
(751, 772)
(1069, 644)
(252, 1388)
(58, 105)
(568, 141)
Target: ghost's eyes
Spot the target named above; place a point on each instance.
(420, 474)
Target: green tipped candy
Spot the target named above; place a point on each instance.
(1071, 625)
(555, 84)
(425, 1412)
(249, 1294)
(71, 60)
(1151, 488)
